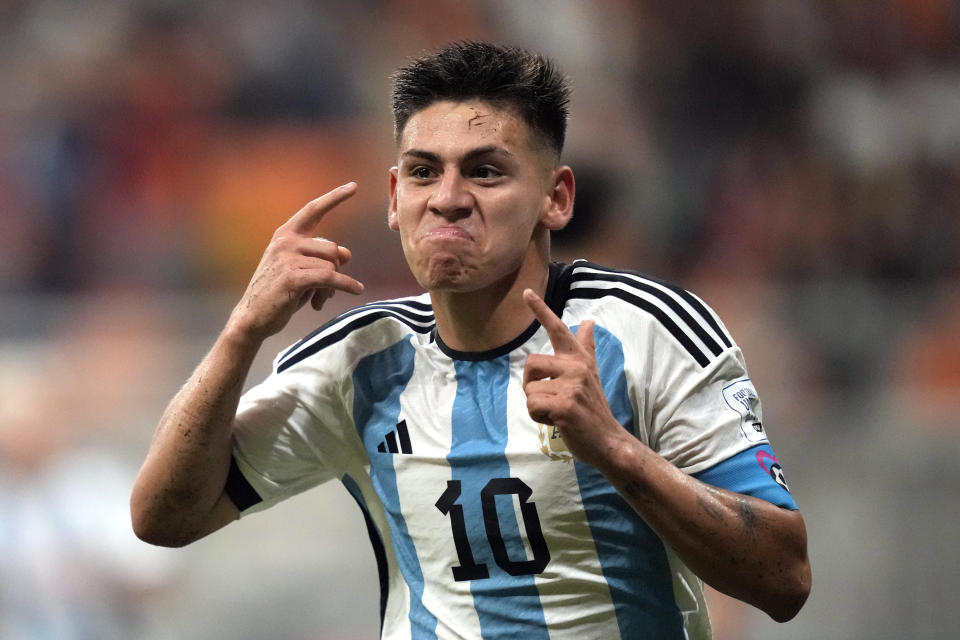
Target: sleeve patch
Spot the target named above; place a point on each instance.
(755, 472)
(742, 398)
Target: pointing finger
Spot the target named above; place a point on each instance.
(561, 338)
(305, 220)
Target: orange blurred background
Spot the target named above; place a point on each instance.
(796, 164)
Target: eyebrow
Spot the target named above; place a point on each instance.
(429, 156)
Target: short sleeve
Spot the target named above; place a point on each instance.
(288, 437)
(708, 421)
(702, 415)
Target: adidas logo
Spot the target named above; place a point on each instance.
(401, 436)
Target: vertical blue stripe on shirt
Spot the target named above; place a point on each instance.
(508, 606)
(378, 381)
(632, 557)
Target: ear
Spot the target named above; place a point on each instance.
(392, 220)
(559, 204)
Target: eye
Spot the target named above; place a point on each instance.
(486, 172)
(421, 172)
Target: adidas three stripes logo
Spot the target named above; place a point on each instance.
(399, 437)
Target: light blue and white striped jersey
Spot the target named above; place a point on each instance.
(483, 524)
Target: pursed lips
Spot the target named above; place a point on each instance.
(448, 232)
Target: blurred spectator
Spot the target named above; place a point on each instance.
(925, 367)
(71, 566)
(796, 163)
(826, 130)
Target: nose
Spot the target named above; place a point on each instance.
(451, 198)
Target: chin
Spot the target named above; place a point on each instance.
(446, 273)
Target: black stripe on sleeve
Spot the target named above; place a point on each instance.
(411, 309)
(239, 490)
(592, 294)
(715, 347)
(703, 311)
(690, 299)
(294, 357)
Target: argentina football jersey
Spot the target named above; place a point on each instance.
(482, 522)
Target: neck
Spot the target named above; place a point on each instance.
(493, 316)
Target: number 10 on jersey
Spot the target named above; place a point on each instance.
(469, 569)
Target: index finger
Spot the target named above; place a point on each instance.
(306, 220)
(560, 335)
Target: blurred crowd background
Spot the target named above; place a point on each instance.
(796, 163)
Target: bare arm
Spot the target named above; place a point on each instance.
(178, 496)
(745, 547)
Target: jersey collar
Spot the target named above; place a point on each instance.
(558, 283)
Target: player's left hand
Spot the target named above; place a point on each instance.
(564, 389)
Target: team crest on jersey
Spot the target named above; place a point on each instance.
(742, 398)
(552, 444)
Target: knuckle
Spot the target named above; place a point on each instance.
(329, 246)
(579, 368)
(291, 279)
(282, 242)
(568, 403)
(540, 415)
(537, 362)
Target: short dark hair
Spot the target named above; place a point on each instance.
(506, 77)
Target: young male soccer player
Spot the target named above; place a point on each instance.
(550, 450)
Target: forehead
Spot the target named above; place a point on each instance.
(451, 126)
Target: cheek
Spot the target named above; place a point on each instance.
(408, 203)
(400, 216)
(521, 220)
(406, 226)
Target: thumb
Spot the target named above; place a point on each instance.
(585, 336)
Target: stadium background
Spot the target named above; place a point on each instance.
(796, 163)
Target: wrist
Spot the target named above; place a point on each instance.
(241, 335)
(624, 459)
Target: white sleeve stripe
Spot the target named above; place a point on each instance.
(342, 326)
(410, 306)
(659, 303)
(683, 337)
(696, 310)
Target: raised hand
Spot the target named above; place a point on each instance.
(296, 267)
(564, 389)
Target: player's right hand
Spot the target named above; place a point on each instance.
(296, 267)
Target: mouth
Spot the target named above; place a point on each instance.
(448, 232)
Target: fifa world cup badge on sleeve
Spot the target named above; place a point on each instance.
(742, 398)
